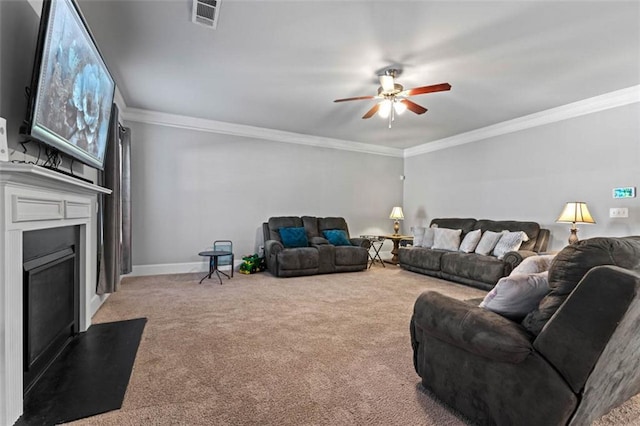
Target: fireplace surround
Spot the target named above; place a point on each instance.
(34, 198)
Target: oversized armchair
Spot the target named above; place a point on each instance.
(570, 361)
(318, 246)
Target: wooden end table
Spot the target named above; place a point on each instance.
(396, 238)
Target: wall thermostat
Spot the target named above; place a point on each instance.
(626, 192)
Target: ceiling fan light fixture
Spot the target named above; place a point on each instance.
(387, 83)
(399, 106)
(385, 108)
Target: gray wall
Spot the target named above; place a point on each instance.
(19, 24)
(190, 188)
(18, 33)
(531, 174)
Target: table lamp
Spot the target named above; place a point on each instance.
(397, 216)
(575, 212)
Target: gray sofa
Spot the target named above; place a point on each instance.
(470, 268)
(319, 256)
(570, 361)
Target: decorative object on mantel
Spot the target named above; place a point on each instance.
(575, 212)
(397, 216)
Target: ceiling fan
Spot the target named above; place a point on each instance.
(394, 97)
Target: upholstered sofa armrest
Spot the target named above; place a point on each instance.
(576, 335)
(272, 247)
(514, 258)
(471, 328)
(318, 241)
(360, 242)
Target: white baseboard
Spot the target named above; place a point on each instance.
(175, 268)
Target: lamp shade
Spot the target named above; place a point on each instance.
(396, 214)
(576, 212)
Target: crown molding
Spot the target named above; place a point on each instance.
(576, 109)
(211, 126)
(610, 100)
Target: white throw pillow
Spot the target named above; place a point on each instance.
(446, 239)
(418, 235)
(510, 241)
(517, 295)
(427, 238)
(488, 242)
(470, 241)
(534, 264)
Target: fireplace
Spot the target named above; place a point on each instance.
(50, 297)
(37, 199)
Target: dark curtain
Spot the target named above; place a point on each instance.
(125, 189)
(109, 269)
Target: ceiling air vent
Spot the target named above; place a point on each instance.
(206, 12)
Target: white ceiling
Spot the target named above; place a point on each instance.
(280, 64)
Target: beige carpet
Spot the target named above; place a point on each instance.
(258, 350)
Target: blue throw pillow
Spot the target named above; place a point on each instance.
(337, 237)
(293, 237)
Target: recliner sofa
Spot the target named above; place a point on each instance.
(319, 256)
(471, 268)
(570, 361)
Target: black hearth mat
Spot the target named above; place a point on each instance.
(89, 377)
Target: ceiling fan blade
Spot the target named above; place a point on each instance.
(372, 111)
(386, 81)
(412, 106)
(357, 98)
(427, 89)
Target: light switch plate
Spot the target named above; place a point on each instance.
(619, 212)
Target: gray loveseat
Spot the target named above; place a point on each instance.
(471, 268)
(318, 256)
(570, 361)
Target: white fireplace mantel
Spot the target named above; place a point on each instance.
(31, 198)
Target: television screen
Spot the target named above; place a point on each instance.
(72, 90)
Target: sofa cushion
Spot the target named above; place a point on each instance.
(572, 263)
(421, 257)
(310, 224)
(301, 258)
(446, 239)
(517, 295)
(293, 237)
(510, 241)
(470, 241)
(487, 269)
(351, 255)
(275, 223)
(488, 242)
(337, 237)
(325, 223)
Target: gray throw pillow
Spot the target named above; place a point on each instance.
(488, 242)
(418, 235)
(517, 295)
(470, 241)
(534, 264)
(510, 241)
(427, 238)
(446, 239)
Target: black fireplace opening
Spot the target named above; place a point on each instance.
(50, 297)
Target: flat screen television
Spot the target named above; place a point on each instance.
(71, 90)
